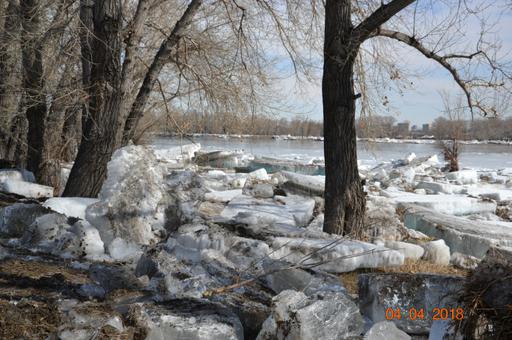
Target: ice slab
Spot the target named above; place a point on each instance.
(304, 184)
(286, 210)
(460, 234)
(334, 255)
(446, 204)
(70, 206)
(222, 196)
(30, 190)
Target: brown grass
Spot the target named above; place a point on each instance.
(349, 280)
(36, 270)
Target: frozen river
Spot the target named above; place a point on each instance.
(485, 156)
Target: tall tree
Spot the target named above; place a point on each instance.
(33, 82)
(344, 196)
(98, 140)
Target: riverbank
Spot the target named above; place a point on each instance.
(186, 243)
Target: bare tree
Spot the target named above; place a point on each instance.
(344, 196)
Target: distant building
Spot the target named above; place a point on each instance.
(403, 129)
(425, 128)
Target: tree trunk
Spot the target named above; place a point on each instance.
(98, 142)
(33, 82)
(344, 195)
(9, 82)
(86, 43)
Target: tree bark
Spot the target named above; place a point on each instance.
(98, 141)
(156, 66)
(33, 82)
(9, 84)
(344, 196)
(86, 43)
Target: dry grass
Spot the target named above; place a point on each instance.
(36, 270)
(349, 280)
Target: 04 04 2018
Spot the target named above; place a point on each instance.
(419, 313)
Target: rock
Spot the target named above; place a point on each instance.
(437, 252)
(29, 190)
(461, 235)
(385, 330)
(423, 292)
(70, 206)
(464, 261)
(326, 315)
(16, 218)
(187, 319)
(463, 176)
(409, 250)
(334, 255)
(131, 201)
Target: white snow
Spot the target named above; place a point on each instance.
(437, 252)
(409, 250)
(6, 174)
(70, 206)
(29, 190)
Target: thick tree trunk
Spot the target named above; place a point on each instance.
(33, 82)
(86, 43)
(9, 81)
(344, 195)
(98, 142)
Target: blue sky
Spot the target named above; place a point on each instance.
(420, 104)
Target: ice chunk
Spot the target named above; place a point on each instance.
(385, 330)
(446, 204)
(436, 188)
(16, 218)
(260, 175)
(411, 294)
(70, 206)
(437, 252)
(334, 255)
(131, 201)
(463, 176)
(304, 184)
(6, 174)
(326, 315)
(121, 250)
(409, 250)
(30, 190)
(183, 152)
(464, 261)
(460, 234)
(222, 196)
(287, 210)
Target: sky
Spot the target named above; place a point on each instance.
(420, 104)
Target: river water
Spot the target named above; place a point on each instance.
(482, 156)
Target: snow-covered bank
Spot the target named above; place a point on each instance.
(188, 243)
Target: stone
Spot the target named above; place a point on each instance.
(409, 250)
(385, 330)
(437, 252)
(325, 315)
(405, 292)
